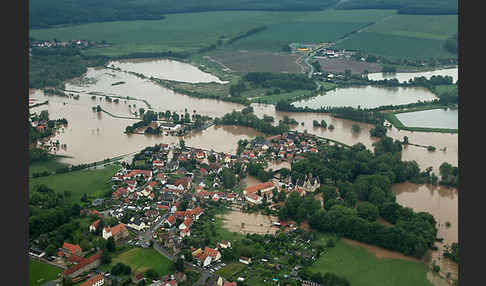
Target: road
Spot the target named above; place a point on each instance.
(148, 235)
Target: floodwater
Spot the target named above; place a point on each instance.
(442, 203)
(105, 137)
(166, 69)
(367, 97)
(237, 221)
(434, 118)
(405, 76)
(251, 181)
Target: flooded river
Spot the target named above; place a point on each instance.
(94, 136)
(367, 97)
(405, 76)
(442, 203)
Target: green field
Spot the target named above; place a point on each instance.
(91, 182)
(414, 36)
(143, 259)
(40, 273)
(363, 268)
(50, 165)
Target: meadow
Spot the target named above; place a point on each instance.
(361, 267)
(143, 259)
(40, 273)
(92, 182)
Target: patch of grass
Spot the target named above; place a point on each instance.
(91, 182)
(449, 88)
(40, 273)
(288, 96)
(50, 165)
(361, 267)
(143, 259)
(230, 271)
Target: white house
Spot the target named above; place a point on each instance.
(245, 260)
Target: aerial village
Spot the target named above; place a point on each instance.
(162, 203)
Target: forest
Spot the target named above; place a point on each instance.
(250, 120)
(47, 13)
(423, 7)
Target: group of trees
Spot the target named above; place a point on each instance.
(351, 174)
(449, 175)
(257, 170)
(452, 251)
(246, 34)
(251, 120)
(287, 82)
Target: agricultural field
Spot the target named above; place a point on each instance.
(360, 266)
(91, 182)
(400, 36)
(40, 273)
(243, 61)
(340, 65)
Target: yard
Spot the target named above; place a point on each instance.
(91, 182)
(40, 273)
(143, 259)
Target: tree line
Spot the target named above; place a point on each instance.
(251, 120)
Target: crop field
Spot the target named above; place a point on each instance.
(78, 182)
(191, 31)
(361, 267)
(243, 61)
(414, 36)
(342, 64)
(40, 273)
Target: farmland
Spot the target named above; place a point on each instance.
(414, 36)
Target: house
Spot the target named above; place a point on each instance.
(94, 225)
(264, 188)
(171, 220)
(227, 283)
(117, 232)
(96, 280)
(207, 256)
(225, 244)
(185, 232)
(83, 266)
(137, 224)
(71, 249)
(195, 213)
(253, 198)
(245, 260)
(186, 224)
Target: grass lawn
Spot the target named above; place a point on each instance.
(49, 165)
(400, 36)
(91, 182)
(274, 98)
(40, 273)
(231, 270)
(362, 268)
(446, 88)
(143, 259)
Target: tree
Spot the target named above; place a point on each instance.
(182, 144)
(110, 244)
(367, 211)
(331, 127)
(315, 123)
(179, 265)
(105, 258)
(50, 250)
(356, 128)
(84, 198)
(229, 179)
(152, 274)
(323, 123)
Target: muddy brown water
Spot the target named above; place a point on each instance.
(93, 137)
(237, 221)
(442, 203)
(405, 76)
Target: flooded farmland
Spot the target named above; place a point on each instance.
(367, 97)
(237, 221)
(434, 118)
(405, 76)
(165, 69)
